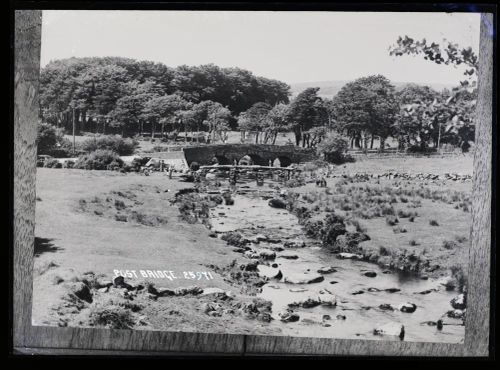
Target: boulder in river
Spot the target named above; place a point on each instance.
(386, 307)
(326, 270)
(456, 314)
(289, 316)
(304, 279)
(392, 290)
(267, 254)
(277, 203)
(328, 300)
(289, 256)
(296, 243)
(407, 307)
(391, 329)
(459, 302)
(349, 256)
(269, 272)
(371, 274)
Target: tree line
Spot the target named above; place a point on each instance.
(129, 97)
(122, 95)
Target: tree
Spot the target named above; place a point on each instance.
(306, 111)
(276, 122)
(254, 120)
(163, 110)
(414, 119)
(217, 121)
(447, 53)
(367, 107)
(457, 108)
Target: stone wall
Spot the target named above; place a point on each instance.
(260, 153)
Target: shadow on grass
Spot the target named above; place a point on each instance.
(43, 245)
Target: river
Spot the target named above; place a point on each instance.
(356, 315)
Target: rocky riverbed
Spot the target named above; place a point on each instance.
(317, 293)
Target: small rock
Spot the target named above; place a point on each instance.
(341, 317)
(370, 274)
(277, 203)
(328, 300)
(386, 307)
(289, 316)
(408, 307)
(456, 314)
(358, 292)
(392, 290)
(373, 289)
(459, 302)
(267, 254)
(269, 272)
(289, 256)
(392, 329)
(327, 317)
(326, 270)
(349, 256)
(305, 279)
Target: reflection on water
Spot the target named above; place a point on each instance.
(356, 315)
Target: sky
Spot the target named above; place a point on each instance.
(289, 46)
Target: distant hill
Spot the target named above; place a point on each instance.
(328, 89)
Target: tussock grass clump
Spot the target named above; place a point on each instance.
(391, 220)
(449, 244)
(406, 214)
(399, 230)
(359, 228)
(147, 219)
(383, 251)
(459, 275)
(433, 223)
(413, 243)
(112, 316)
(234, 238)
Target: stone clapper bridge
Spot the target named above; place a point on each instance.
(227, 154)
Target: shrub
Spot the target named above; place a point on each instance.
(52, 163)
(114, 143)
(99, 160)
(333, 148)
(413, 242)
(334, 227)
(48, 137)
(68, 164)
(433, 223)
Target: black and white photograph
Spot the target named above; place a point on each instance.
(270, 173)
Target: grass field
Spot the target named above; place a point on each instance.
(78, 230)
